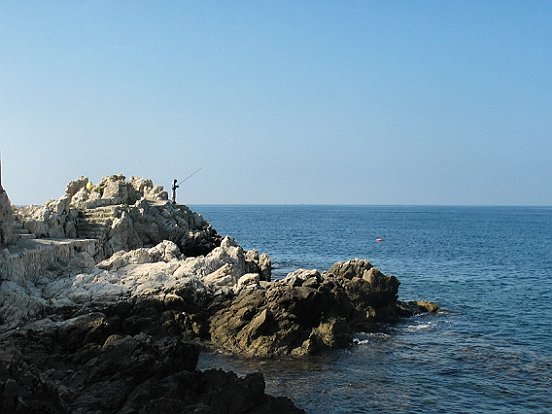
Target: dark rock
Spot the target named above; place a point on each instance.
(407, 309)
(301, 314)
(307, 312)
(199, 242)
(350, 269)
(368, 285)
(24, 389)
(88, 365)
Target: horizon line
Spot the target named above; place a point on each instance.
(368, 205)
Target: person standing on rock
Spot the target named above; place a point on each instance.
(174, 187)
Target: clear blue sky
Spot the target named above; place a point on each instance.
(348, 102)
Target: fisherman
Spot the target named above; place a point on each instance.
(174, 187)
(176, 182)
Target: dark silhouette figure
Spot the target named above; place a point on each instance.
(174, 187)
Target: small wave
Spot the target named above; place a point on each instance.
(366, 338)
(423, 327)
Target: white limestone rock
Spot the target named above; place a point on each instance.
(19, 304)
(164, 251)
(248, 281)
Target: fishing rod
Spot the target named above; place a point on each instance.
(191, 175)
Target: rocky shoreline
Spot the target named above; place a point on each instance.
(108, 293)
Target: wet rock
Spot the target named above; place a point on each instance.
(307, 312)
(412, 308)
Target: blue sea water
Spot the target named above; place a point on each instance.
(490, 269)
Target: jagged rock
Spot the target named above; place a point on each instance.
(164, 251)
(118, 191)
(407, 309)
(76, 186)
(158, 273)
(91, 364)
(350, 268)
(19, 303)
(300, 314)
(307, 312)
(259, 263)
(248, 281)
(54, 219)
(368, 285)
(123, 215)
(223, 266)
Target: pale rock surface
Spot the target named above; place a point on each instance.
(123, 215)
(248, 281)
(52, 220)
(19, 303)
(161, 273)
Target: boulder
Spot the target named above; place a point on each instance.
(367, 284)
(418, 307)
(350, 268)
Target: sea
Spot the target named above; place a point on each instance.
(489, 349)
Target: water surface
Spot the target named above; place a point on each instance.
(490, 268)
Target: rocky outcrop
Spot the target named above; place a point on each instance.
(23, 271)
(112, 190)
(6, 220)
(161, 274)
(108, 317)
(123, 215)
(307, 312)
(89, 364)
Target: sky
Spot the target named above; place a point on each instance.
(316, 102)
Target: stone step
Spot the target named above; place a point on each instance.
(91, 230)
(97, 217)
(98, 212)
(98, 226)
(100, 209)
(100, 221)
(18, 228)
(94, 221)
(90, 235)
(26, 236)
